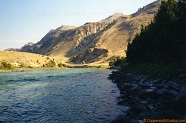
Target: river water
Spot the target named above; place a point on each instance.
(58, 96)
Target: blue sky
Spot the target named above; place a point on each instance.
(23, 21)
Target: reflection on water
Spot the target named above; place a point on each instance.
(58, 96)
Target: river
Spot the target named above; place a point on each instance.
(82, 95)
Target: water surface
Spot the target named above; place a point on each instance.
(58, 96)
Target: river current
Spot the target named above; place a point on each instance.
(58, 96)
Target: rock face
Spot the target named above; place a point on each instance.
(109, 36)
(91, 55)
(12, 49)
(27, 47)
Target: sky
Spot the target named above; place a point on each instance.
(23, 21)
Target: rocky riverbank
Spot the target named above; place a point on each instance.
(149, 99)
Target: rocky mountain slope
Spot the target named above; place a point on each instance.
(95, 41)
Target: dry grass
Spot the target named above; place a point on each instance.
(28, 61)
(22, 59)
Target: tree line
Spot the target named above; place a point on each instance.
(164, 39)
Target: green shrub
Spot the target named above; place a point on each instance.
(22, 65)
(47, 58)
(116, 61)
(62, 65)
(51, 63)
(38, 61)
(30, 67)
(6, 65)
(161, 70)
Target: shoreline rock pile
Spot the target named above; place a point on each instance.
(148, 98)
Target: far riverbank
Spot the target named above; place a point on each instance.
(23, 69)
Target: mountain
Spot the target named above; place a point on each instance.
(94, 41)
(12, 49)
(112, 18)
(25, 48)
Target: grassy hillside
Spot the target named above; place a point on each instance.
(10, 60)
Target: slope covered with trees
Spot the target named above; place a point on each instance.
(164, 39)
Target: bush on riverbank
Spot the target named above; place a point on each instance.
(5, 65)
(62, 65)
(168, 71)
(51, 63)
(116, 61)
